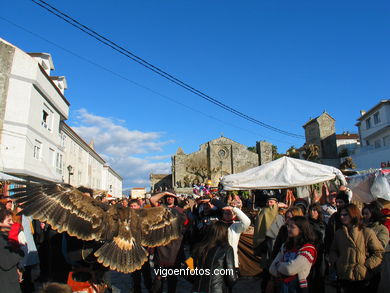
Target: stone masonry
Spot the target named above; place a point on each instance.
(321, 131)
(216, 158)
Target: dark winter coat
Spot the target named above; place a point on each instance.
(212, 281)
(9, 259)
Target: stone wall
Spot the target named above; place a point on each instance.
(216, 158)
(160, 181)
(264, 150)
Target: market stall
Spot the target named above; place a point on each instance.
(370, 185)
(285, 172)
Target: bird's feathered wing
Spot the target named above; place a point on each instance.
(124, 231)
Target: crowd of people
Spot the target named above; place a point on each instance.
(300, 246)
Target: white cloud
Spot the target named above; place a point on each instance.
(118, 145)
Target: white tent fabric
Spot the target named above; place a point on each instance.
(370, 186)
(6, 177)
(282, 173)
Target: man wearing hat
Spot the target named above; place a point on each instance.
(264, 219)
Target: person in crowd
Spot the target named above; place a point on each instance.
(9, 205)
(125, 203)
(233, 199)
(355, 252)
(214, 252)
(31, 259)
(171, 255)
(235, 229)
(334, 223)
(297, 255)
(329, 208)
(168, 197)
(316, 219)
(302, 204)
(205, 214)
(145, 271)
(317, 276)
(263, 222)
(373, 219)
(10, 256)
(281, 238)
(283, 233)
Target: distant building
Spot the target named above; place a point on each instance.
(160, 182)
(347, 141)
(35, 142)
(214, 159)
(84, 166)
(374, 132)
(320, 131)
(138, 192)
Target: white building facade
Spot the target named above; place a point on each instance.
(374, 132)
(33, 140)
(347, 141)
(83, 166)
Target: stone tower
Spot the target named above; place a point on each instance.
(321, 131)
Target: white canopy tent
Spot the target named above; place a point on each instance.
(282, 173)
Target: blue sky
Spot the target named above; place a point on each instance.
(281, 62)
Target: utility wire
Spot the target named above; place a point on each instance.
(138, 84)
(155, 69)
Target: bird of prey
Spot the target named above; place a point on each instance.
(124, 231)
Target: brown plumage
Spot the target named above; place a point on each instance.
(124, 230)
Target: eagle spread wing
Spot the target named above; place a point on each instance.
(124, 231)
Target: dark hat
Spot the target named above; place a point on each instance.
(272, 197)
(342, 195)
(301, 202)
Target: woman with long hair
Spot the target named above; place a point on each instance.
(355, 251)
(283, 234)
(374, 219)
(214, 262)
(293, 263)
(317, 275)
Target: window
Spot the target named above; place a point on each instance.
(37, 150)
(62, 139)
(376, 118)
(367, 142)
(51, 157)
(368, 123)
(377, 144)
(59, 163)
(44, 116)
(47, 117)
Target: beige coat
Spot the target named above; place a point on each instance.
(354, 252)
